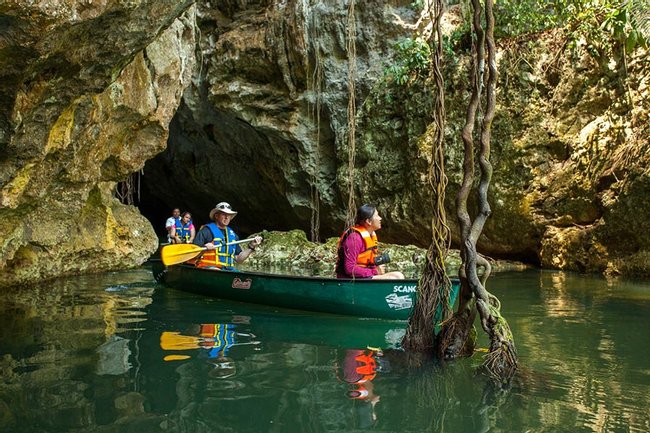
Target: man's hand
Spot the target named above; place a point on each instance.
(255, 242)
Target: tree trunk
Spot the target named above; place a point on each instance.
(455, 339)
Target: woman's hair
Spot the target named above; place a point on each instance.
(186, 213)
(364, 212)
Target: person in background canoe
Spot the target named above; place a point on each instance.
(185, 232)
(357, 252)
(216, 236)
(172, 221)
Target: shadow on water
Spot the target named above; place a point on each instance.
(116, 352)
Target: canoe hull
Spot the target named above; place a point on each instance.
(388, 299)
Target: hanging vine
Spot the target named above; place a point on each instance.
(315, 88)
(434, 287)
(352, 109)
(127, 190)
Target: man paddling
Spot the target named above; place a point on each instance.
(217, 237)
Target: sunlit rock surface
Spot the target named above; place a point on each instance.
(291, 252)
(88, 92)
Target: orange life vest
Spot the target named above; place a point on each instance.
(366, 366)
(367, 258)
(359, 366)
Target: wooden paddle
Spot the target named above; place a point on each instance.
(178, 253)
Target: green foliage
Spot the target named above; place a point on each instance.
(411, 61)
(516, 17)
(638, 11)
(604, 25)
(418, 5)
(458, 41)
(607, 29)
(600, 23)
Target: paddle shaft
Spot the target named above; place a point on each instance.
(218, 245)
(241, 241)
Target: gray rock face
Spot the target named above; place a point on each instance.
(569, 151)
(563, 192)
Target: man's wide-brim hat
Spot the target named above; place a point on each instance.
(224, 208)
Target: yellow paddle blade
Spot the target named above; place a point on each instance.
(179, 253)
(177, 341)
(176, 357)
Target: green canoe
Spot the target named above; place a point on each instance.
(387, 299)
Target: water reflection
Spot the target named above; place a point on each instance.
(584, 346)
(360, 367)
(63, 363)
(275, 360)
(115, 352)
(215, 339)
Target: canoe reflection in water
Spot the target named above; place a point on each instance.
(360, 367)
(213, 340)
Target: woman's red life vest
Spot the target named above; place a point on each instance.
(367, 258)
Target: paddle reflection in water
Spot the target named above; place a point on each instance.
(213, 341)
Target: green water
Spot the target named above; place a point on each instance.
(118, 353)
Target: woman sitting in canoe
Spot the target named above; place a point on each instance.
(357, 252)
(184, 231)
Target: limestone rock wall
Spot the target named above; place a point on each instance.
(246, 101)
(568, 140)
(88, 91)
(569, 150)
(249, 128)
